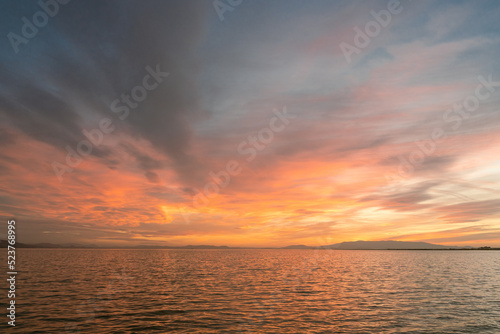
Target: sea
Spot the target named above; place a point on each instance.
(255, 291)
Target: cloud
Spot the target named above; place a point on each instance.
(408, 199)
(470, 211)
(66, 84)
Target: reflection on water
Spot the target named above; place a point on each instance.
(260, 291)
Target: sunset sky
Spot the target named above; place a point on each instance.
(250, 123)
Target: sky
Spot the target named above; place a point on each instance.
(250, 123)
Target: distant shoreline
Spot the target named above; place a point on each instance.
(243, 248)
(356, 245)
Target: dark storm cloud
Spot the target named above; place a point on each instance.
(88, 55)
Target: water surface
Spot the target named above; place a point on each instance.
(259, 291)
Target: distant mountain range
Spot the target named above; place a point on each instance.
(387, 244)
(349, 245)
